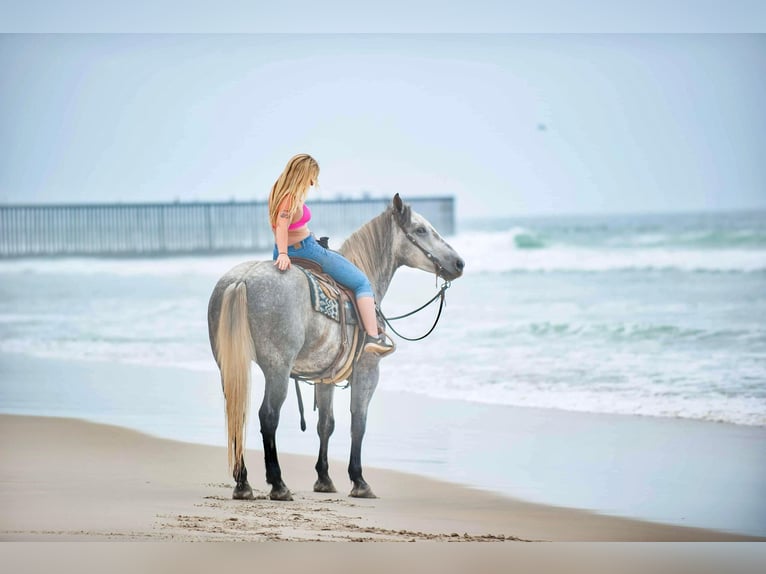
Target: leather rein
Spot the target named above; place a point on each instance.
(438, 268)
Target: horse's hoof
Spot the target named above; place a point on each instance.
(243, 492)
(281, 494)
(362, 492)
(324, 486)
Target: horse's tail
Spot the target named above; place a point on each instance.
(235, 351)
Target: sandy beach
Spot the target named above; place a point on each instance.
(65, 479)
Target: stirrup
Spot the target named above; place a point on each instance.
(379, 345)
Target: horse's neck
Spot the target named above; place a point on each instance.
(371, 248)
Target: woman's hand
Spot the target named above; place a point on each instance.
(282, 262)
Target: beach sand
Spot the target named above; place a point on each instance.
(66, 479)
(673, 471)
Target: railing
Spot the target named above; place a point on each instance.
(177, 228)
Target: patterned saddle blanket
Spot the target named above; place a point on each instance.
(339, 304)
(325, 298)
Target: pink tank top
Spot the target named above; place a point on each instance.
(305, 218)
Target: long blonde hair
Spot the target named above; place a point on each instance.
(294, 182)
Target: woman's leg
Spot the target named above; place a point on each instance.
(369, 319)
(345, 273)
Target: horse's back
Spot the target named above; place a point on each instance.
(281, 318)
(277, 301)
(268, 288)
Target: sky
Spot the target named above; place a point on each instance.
(411, 16)
(509, 124)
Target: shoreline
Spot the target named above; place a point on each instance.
(66, 479)
(670, 471)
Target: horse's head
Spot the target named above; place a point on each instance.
(420, 245)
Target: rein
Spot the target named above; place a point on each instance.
(440, 295)
(438, 268)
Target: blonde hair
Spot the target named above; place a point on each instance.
(293, 182)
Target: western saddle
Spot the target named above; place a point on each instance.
(338, 303)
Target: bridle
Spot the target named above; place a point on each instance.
(438, 268)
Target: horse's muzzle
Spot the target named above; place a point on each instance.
(454, 271)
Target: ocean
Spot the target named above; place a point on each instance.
(654, 315)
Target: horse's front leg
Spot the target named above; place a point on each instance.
(274, 396)
(325, 428)
(363, 385)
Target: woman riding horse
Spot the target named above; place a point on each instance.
(289, 217)
(249, 320)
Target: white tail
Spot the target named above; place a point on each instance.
(235, 351)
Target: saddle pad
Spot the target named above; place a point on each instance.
(324, 298)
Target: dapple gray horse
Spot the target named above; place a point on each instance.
(257, 313)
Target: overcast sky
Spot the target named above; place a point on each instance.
(411, 16)
(509, 124)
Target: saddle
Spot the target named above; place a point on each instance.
(338, 303)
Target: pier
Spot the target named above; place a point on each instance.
(123, 229)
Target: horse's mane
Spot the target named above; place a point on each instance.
(371, 246)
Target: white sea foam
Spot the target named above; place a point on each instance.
(192, 266)
(499, 252)
(574, 380)
(515, 250)
(196, 357)
(736, 410)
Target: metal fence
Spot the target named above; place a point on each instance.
(178, 228)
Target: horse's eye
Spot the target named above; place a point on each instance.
(421, 231)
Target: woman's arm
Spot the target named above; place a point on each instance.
(280, 235)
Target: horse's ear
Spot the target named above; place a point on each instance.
(398, 204)
(402, 211)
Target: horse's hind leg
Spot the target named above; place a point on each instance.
(242, 491)
(325, 427)
(273, 397)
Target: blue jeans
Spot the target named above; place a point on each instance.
(334, 264)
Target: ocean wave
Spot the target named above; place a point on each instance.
(498, 252)
(526, 239)
(191, 266)
(615, 332)
(663, 400)
(567, 366)
(709, 231)
(706, 239)
(714, 408)
(195, 357)
(513, 249)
